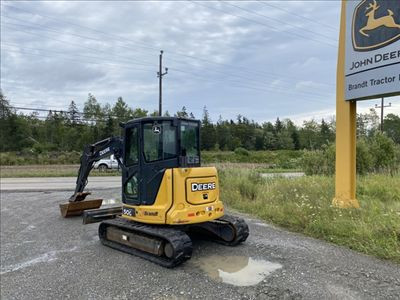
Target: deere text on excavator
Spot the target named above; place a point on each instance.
(166, 195)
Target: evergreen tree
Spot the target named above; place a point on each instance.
(121, 111)
(182, 113)
(208, 134)
(278, 126)
(73, 113)
(326, 135)
(5, 109)
(92, 109)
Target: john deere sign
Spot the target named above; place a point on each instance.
(372, 66)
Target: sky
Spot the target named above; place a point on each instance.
(260, 59)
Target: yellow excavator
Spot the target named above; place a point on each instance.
(166, 195)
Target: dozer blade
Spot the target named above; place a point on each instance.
(76, 208)
(101, 214)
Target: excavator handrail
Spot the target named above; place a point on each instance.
(91, 154)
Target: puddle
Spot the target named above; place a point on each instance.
(110, 201)
(236, 270)
(262, 224)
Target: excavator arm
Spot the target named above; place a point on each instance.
(91, 154)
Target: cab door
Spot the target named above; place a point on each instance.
(160, 152)
(130, 176)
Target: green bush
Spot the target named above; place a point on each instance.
(376, 154)
(241, 151)
(364, 160)
(319, 161)
(383, 151)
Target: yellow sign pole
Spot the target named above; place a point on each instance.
(345, 183)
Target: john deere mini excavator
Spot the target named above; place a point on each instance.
(166, 194)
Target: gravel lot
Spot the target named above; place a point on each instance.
(44, 256)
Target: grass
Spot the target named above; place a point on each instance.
(284, 159)
(270, 159)
(72, 170)
(304, 205)
(48, 171)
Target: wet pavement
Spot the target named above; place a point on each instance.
(44, 256)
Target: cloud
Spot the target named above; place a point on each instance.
(226, 59)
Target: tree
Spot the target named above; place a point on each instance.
(139, 113)
(5, 109)
(92, 109)
(121, 111)
(309, 135)
(278, 125)
(73, 113)
(325, 134)
(368, 123)
(223, 134)
(182, 113)
(391, 127)
(208, 134)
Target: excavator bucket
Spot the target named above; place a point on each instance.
(77, 204)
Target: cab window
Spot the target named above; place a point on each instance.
(131, 147)
(159, 141)
(190, 139)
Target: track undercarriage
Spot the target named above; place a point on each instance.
(169, 246)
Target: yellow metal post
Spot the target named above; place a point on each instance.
(345, 183)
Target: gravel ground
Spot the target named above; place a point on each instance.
(44, 256)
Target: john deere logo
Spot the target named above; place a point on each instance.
(376, 24)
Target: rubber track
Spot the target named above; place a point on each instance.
(179, 240)
(240, 226)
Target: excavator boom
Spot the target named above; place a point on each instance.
(90, 155)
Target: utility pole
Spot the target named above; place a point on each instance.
(160, 75)
(382, 107)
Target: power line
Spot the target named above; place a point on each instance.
(263, 89)
(297, 15)
(116, 37)
(216, 71)
(128, 59)
(263, 24)
(142, 63)
(146, 63)
(234, 75)
(236, 84)
(276, 20)
(62, 112)
(75, 60)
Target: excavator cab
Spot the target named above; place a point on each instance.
(163, 181)
(152, 146)
(166, 193)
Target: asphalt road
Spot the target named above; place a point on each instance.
(57, 183)
(44, 256)
(41, 184)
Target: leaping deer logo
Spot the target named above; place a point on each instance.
(373, 23)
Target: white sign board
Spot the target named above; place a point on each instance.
(372, 49)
